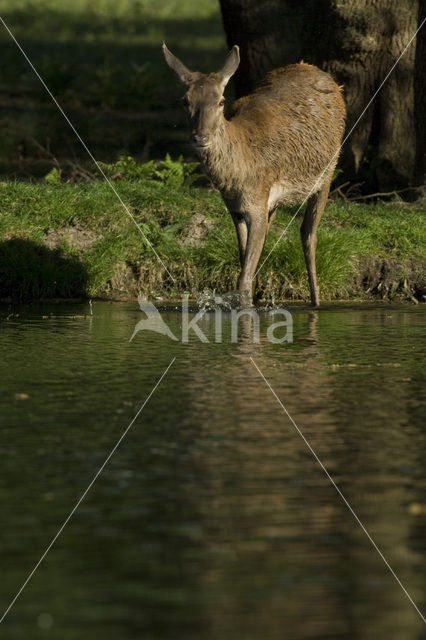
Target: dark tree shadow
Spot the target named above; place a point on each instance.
(29, 271)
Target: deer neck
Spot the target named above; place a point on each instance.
(220, 160)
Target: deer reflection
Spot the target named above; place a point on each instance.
(272, 521)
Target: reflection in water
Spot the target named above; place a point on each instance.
(213, 520)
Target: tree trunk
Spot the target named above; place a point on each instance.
(420, 99)
(358, 41)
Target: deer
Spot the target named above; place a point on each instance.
(279, 145)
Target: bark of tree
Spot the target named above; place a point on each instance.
(358, 41)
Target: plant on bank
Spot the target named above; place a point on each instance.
(174, 173)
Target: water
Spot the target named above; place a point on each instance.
(212, 520)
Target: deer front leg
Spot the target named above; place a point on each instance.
(241, 229)
(308, 231)
(257, 225)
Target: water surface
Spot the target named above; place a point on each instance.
(212, 520)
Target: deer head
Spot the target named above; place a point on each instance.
(204, 99)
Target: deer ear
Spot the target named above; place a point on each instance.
(231, 64)
(176, 65)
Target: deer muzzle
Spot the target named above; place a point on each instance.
(201, 140)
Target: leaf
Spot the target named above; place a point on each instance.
(53, 177)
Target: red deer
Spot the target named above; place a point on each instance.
(279, 146)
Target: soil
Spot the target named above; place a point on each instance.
(386, 278)
(77, 236)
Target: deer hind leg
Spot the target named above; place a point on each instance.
(308, 232)
(271, 219)
(257, 226)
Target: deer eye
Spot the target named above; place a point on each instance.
(221, 102)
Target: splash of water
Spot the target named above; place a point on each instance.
(208, 300)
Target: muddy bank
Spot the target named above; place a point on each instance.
(388, 278)
(374, 278)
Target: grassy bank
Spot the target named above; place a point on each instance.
(68, 240)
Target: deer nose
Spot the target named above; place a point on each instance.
(201, 140)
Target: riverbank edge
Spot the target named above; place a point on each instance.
(71, 241)
(374, 278)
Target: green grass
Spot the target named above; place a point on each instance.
(98, 250)
(102, 60)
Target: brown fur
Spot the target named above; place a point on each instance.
(279, 145)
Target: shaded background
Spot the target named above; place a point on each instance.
(102, 60)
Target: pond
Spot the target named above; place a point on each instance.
(212, 519)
